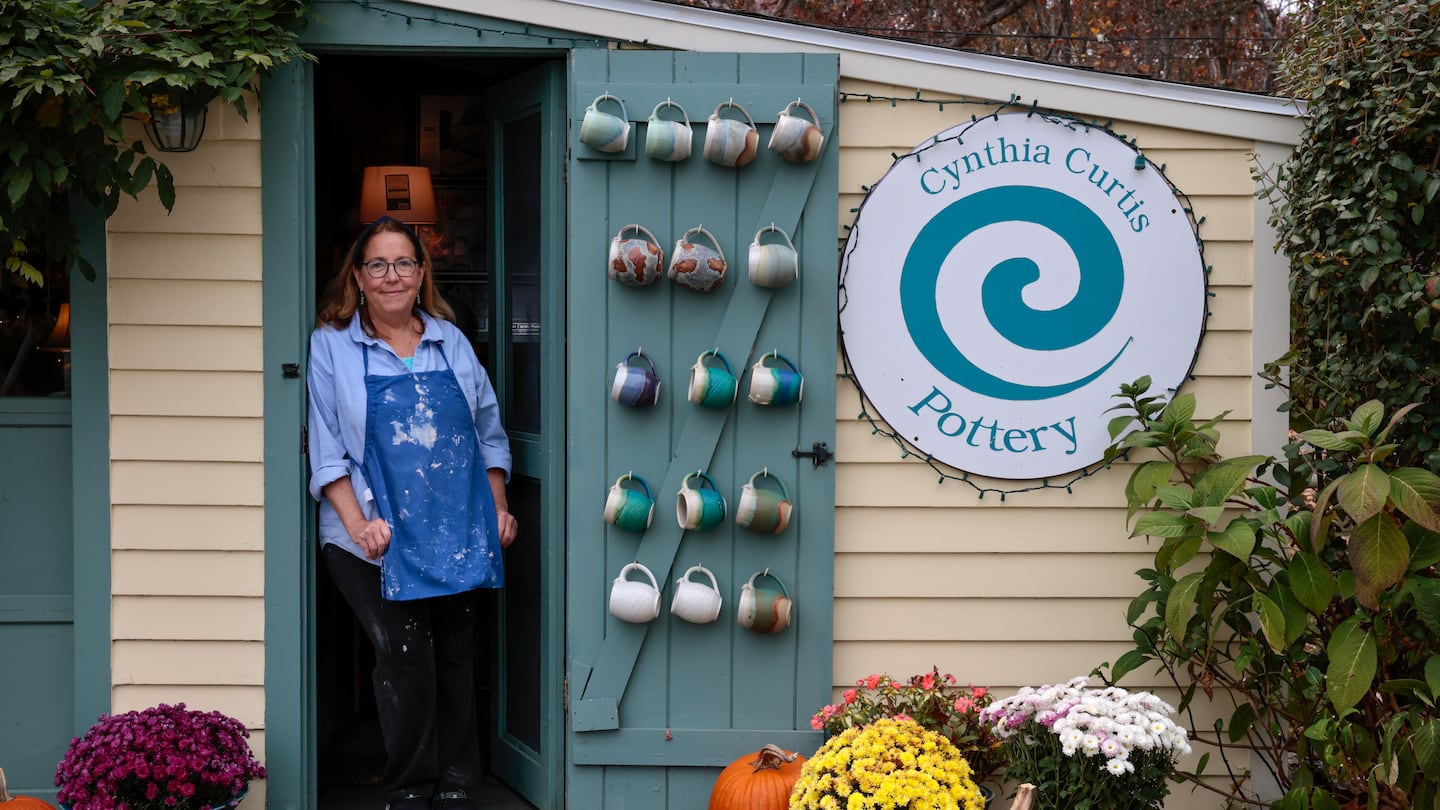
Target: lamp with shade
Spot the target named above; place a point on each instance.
(59, 341)
(401, 192)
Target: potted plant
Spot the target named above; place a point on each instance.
(889, 763)
(935, 701)
(162, 758)
(1089, 748)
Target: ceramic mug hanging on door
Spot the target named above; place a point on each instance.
(712, 381)
(632, 600)
(635, 385)
(695, 601)
(773, 265)
(603, 131)
(730, 141)
(637, 260)
(794, 138)
(775, 385)
(762, 510)
(695, 265)
(668, 140)
(627, 507)
(764, 609)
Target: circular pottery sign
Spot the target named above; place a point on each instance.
(1004, 279)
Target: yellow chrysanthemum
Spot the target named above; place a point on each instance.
(886, 765)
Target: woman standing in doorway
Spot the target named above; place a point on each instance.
(409, 462)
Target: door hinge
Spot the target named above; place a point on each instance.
(818, 454)
(304, 440)
(565, 695)
(565, 168)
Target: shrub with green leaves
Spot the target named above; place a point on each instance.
(1319, 623)
(72, 72)
(1358, 215)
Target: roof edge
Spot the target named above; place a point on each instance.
(864, 57)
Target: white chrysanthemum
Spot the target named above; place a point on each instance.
(1069, 750)
(1090, 743)
(1120, 767)
(1111, 747)
(1072, 736)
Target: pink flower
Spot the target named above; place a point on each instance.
(872, 681)
(816, 723)
(980, 691)
(928, 682)
(850, 696)
(901, 716)
(964, 704)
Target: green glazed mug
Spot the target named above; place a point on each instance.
(766, 511)
(627, 507)
(699, 508)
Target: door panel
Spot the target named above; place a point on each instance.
(525, 179)
(656, 709)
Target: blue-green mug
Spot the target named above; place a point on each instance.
(775, 384)
(699, 508)
(712, 381)
(627, 507)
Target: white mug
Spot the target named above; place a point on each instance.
(794, 138)
(695, 601)
(633, 600)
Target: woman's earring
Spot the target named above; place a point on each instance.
(362, 298)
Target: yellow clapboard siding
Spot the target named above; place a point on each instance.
(178, 438)
(1224, 354)
(226, 124)
(1225, 218)
(977, 576)
(222, 483)
(1231, 310)
(244, 703)
(198, 209)
(217, 162)
(169, 302)
(878, 530)
(208, 663)
(197, 528)
(188, 573)
(180, 348)
(912, 483)
(1232, 263)
(983, 662)
(187, 393)
(188, 618)
(994, 619)
(199, 256)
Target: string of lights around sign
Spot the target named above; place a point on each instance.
(907, 450)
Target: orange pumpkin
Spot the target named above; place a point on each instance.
(759, 781)
(7, 802)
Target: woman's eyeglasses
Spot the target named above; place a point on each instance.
(378, 268)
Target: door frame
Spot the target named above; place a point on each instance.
(287, 195)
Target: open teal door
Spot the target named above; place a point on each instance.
(527, 132)
(656, 709)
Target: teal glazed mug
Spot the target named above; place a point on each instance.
(637, 386)
(762, 510)
(627, 507)
(699, 508)
(773, 264)
(666, 139)
(712, 381)
(603, 131)
(772, 384)
(762, 608)
(634, 601)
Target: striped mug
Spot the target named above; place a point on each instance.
(775, 384)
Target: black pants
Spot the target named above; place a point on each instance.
(424, 680)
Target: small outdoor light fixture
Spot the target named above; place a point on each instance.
(402, 192)
(178, 129)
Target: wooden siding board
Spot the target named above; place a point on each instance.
(1028, 618)
(187, 483)
(188, 618)
(186, 393)
(177, 438)
(198, 209)
(182, 348)
(196, 528)
(194, 256)
(155, 302)
(857, 442)
(188, 573)
(983, 576)
(243, 702)
(206, 663)
(222, 163)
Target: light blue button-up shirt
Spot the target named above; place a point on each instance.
(338, 406)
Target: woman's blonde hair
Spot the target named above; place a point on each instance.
(342, 296)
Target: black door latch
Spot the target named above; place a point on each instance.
(818, 454)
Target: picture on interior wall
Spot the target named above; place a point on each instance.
(452, 135)
(457, 240)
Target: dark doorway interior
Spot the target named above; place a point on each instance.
(388, 110)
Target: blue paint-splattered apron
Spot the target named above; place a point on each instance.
(430, 484)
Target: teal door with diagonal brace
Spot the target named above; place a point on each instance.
(655, 709)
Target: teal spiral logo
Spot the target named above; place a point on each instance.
(1102, 280)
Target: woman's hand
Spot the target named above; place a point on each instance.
(509, 527)
(372, 535)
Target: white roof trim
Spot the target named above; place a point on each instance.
(1082, 92)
